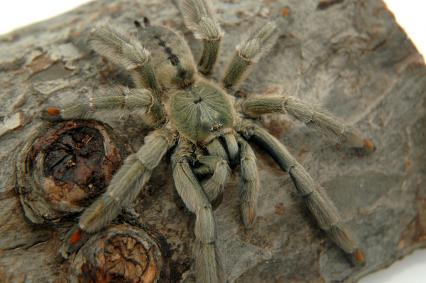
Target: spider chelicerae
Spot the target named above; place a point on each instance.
(205, 126)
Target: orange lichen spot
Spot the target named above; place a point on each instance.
(75, 237)
(285, 11)
(53, 111)
(359, 256)
(368, 145)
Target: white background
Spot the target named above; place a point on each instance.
(411, 15)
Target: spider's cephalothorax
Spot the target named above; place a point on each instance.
(210, 128)
(201, 111)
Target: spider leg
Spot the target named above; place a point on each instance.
(256, 106)
(214, 185)
(199, 18)
(126, 52)
(249, 185)
(215, 148)
(231, 146)
(140, 100)
(314, 196)
(216, 163)
(257, 43)
(224, 146)
(208, 267)
(123, 189)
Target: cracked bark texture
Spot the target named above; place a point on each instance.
(349, 56)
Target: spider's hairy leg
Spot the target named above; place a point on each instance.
(199, 18)
(257, 43)
(127, 52)
(314, 196)
(311, 116)
(249, 185)
(208, 266)
(123, 189)
(214, 185)
(216, 163)
(215, 148)
(231, 146)
(139, 100)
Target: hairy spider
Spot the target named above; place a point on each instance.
(205, 126)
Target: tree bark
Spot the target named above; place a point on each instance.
(350, 56)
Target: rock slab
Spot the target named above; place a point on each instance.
(349, 56)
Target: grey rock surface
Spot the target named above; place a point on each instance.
(348, 56)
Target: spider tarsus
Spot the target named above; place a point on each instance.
(368, 145)
(249, 188)
(249, 217)
(74, 239)
(367, 148)
(358, 257)
(51, 114)
(53, 111)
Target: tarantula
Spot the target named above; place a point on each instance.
(207, 128)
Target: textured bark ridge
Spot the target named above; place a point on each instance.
(349, 56)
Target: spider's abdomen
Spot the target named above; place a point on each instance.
(200, 111)
(171, 56)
